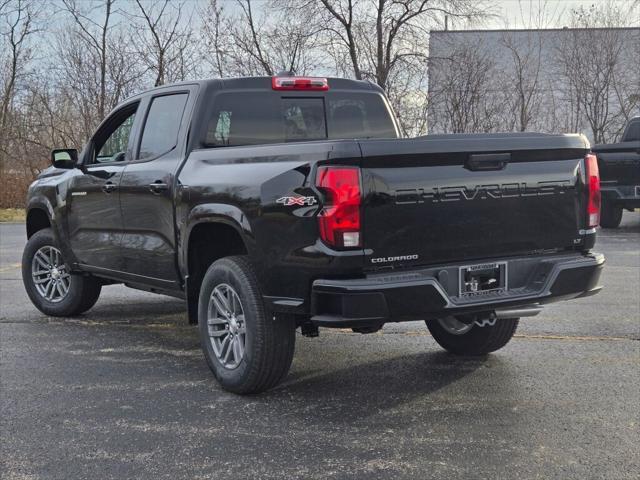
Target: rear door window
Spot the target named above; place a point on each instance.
(247, 118)
(254, 118)
(160, 133)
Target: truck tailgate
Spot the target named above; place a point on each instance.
(619, 163)
(461, 197)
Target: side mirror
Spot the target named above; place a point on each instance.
(64, 158)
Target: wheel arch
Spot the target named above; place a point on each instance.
(222, 238)
(39, 217)
(208, 238)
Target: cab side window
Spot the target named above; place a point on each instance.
(112, 141)
(160, 134)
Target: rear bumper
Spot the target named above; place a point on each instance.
(626, 196)
(432, 292)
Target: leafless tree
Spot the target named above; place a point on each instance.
(525, 84)
(385, 41)
(213, 35)
(627, 86)
(165, 41)
(18, 26)
(94, 36)
(538, 14)
(258, 41)
(464, 90)
(407, 93)
(247, 38)
(525, 51)
(95, 56)
(382, 35)
(594, 66)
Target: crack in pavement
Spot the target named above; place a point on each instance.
(15, 266)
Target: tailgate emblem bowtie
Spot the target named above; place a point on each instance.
(302, 201)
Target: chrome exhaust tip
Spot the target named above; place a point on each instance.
(517, 312)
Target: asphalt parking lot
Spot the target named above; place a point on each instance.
(123, 392)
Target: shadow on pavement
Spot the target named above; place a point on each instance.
(341, 384)
(361, 390)
(139, 310)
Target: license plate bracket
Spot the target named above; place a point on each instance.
(482, 279)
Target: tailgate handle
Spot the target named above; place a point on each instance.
(487, 161)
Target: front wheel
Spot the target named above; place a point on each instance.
(470, 336)
(248, 350)
(52, 288)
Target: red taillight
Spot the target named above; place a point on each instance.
(593, 184)
(339, 220)
(299, 83)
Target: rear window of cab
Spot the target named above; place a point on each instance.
(255, 118)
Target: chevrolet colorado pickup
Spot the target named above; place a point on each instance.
(619, 166)
(271, 204)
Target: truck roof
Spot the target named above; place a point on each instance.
(259, 83)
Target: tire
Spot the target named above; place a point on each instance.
(610, 215)
(81, 292)
(267, 343)
(476, 340)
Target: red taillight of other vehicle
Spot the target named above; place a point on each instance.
(339, 220)
(593, 184)
(299, 83)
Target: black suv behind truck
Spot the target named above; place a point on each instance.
(275, 203)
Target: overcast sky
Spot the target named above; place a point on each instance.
(524, 13)
(518, 13)
(507, 13)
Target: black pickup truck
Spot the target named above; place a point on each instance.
(619, 165)
(271, 204)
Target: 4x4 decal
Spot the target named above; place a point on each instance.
(298, 200)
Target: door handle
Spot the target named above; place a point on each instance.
(158, 186)
(109, 187)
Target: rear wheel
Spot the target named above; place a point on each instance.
(52, 288)
(247, 349)
(610, 215)
(470, 336)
